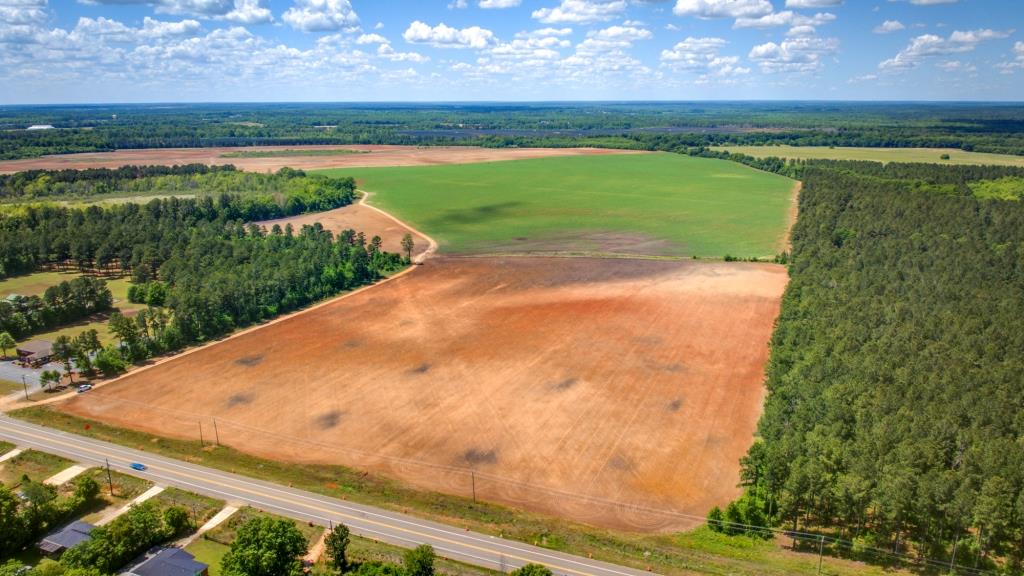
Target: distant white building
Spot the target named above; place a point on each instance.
(40, 127)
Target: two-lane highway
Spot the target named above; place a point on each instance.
(400, 529)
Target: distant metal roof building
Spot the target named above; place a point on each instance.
(169, 562)
(40, 127)
(57, 542)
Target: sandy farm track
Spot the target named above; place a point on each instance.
(565, 384)
(373, 155)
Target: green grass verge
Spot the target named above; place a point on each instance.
(5, 447)
(697, 552)
(38, 466)
(226, 532)
(200, 508)
(8, 387)
(289, 153)
(664, 205)
(126, 488)
(927, 155)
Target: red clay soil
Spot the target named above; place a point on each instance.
(373, 155)
(361, 219)
(607, 391)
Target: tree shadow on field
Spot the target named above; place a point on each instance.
(473, 215)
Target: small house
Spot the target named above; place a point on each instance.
(35, 352)
(57, 542)
(168, 562)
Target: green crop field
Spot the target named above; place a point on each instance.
(651, 204)
(927, 155)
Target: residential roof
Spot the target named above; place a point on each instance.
(36, 348)
(66, 537)
(169, 562)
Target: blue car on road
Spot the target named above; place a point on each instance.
(137, 466)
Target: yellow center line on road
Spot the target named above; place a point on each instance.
(321, 510)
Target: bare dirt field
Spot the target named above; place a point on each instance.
(373, 155)
(565, 385)
(360, 218)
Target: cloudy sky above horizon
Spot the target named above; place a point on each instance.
(58, 51)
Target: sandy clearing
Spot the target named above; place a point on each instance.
(559, 385)
(373, 155)
(364, 218)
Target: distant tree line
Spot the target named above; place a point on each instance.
(130, 237)
(298, 188)
(651, 126)
(896, 405)
(67, 302)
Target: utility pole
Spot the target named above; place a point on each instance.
(110, 481)
(216, 433)
(472, 476)
(201, 442)
(25, 384)
(821, 550)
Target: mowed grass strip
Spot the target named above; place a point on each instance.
(648, 205)
(886, 155)
(38, 466)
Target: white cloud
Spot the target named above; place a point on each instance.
(702, 55)
(239, 11)
(500, 3)
(928, 45)
(321, 15)
(444, 36)
(888, 27)
(812, 3)
(785, 18)
(544, 32)
(723, 8)
(371, 39)
(621, 34)
(249, 12)
(387, 52)
(1017, 63)
(581, 11)
(793, 55)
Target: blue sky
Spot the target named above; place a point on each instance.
(56, 51)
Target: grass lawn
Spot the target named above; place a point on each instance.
(366, 550)
(37, 283)
(37, 465)
(928, 155)
(126, 488)
(663, 553)
(651, 204)
(5, 447)
(200, 508)
(34, 284)
(7, 387)
(208, 552)
(225, 533)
